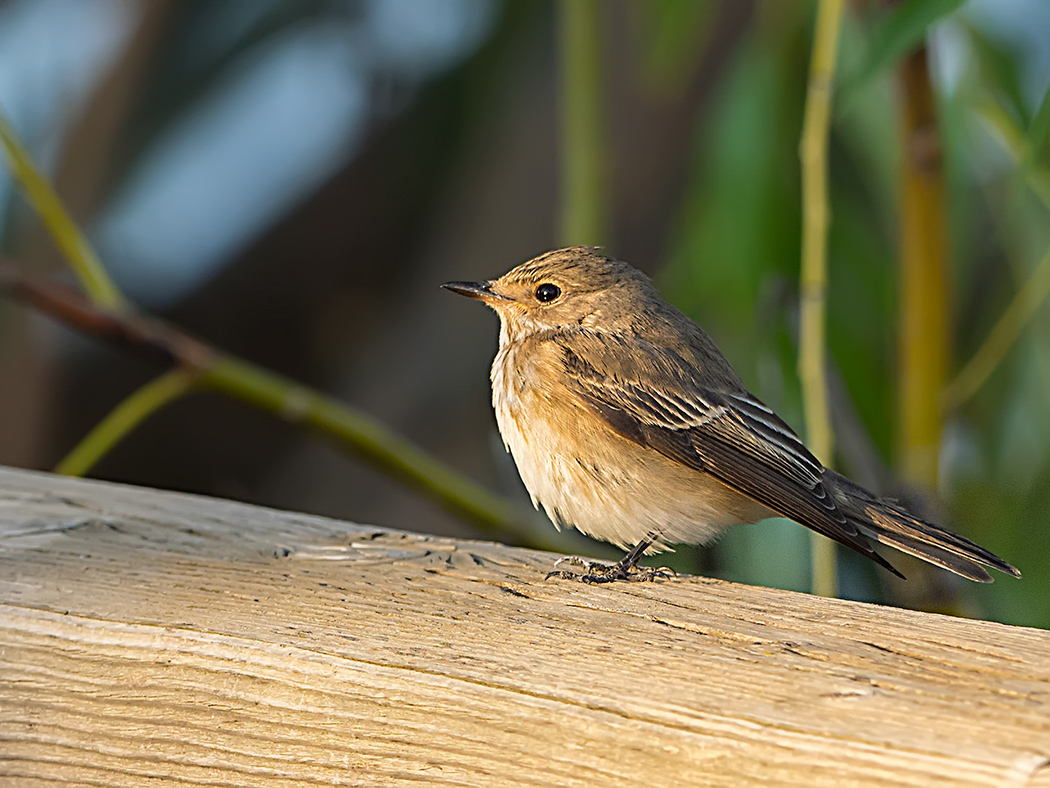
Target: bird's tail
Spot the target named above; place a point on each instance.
(891, 525)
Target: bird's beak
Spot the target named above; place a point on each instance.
(482, 291)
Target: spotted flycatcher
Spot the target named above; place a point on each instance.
(628, 424)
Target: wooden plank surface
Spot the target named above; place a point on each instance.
(151, 638)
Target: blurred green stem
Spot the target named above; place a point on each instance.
(1019, 149)
(812, 363)
(365, 436)
(583, 184)
(125, 417)
(301, 406)
(1020, 312)
(924, 331)
(108, 318)
(1024, 150)
(67, 235)
(1036, 138)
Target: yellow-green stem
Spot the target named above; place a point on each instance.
(1024, 153)
(384, 448)
(1020, 312)
(131, 412)
(74, 245)
(247, 382)
(812, 364)
(924, 335)
(1016, 147)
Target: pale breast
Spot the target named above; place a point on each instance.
(586, 476)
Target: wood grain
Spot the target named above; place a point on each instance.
(151, 638)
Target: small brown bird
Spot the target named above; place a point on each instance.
(627, 423)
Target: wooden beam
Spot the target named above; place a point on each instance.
(152, 638)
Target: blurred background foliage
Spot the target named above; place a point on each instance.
(292, 179)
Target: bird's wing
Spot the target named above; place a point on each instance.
(726, 433)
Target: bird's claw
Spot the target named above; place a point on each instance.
(596, 572)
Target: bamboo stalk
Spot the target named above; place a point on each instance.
(812, 362)
(923, 324)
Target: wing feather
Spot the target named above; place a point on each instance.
(726, 433)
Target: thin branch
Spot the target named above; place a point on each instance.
(812, 364)
(1016, 147)
(214, 369)
(126, 417)
(108, 317)
(67, 235)
(366, 437)
(1023, 151)
(147, 337)
(1010, 326)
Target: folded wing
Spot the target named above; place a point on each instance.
(726, 433)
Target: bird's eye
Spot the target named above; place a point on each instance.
(547, 292)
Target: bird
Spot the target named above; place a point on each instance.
(627, 423)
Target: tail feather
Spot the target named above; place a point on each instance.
(922, 548)
(891, 525)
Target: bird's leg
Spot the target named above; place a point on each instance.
(629, 561)
(595, 572)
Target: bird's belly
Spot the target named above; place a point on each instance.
(588, 477)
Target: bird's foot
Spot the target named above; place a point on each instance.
(596, 572)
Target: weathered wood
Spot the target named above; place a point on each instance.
(151, 638)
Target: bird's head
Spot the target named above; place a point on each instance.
(578, 286)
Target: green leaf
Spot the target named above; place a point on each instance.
(1038, 129)
(896, 35)
(998, 68)
(672, 35)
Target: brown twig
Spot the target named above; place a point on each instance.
(214, 369)
(147, 337)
